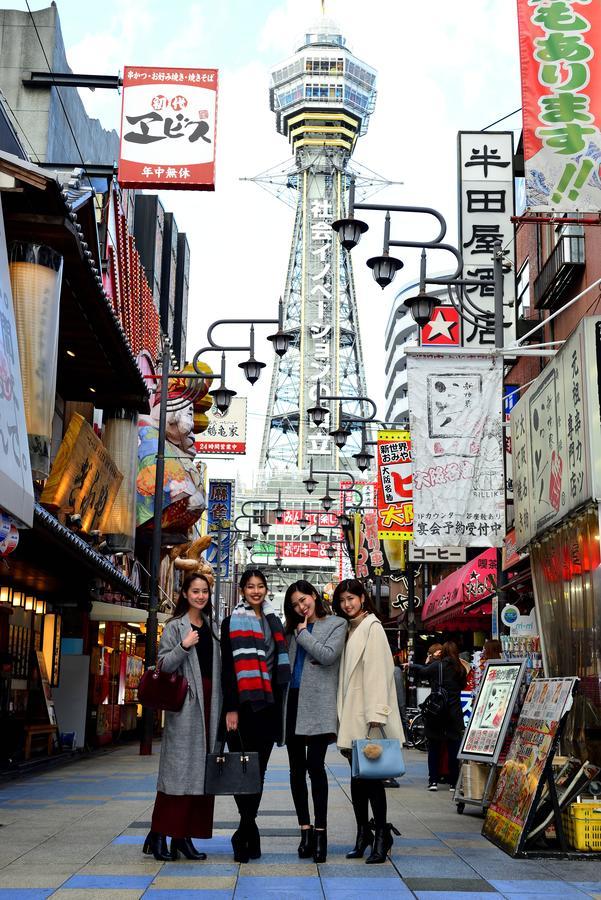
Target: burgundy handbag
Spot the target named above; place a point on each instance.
(162, 690)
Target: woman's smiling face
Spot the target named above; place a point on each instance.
(254, 592)
(303, 605)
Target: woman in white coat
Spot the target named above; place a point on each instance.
(366, 697)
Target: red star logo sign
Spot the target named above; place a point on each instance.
(443, 328)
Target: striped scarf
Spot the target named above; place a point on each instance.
(248, 649)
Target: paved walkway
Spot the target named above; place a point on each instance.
(77, 833)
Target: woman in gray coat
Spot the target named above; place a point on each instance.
(316, 644)
(189, 645)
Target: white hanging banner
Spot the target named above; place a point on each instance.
(456, 433)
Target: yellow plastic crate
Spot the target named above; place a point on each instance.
(582, 824)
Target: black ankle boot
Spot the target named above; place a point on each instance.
(365, 839)
(305, 848)
(185, 846)
(240, 846)
(383, 842)
(253, 840)
(156, 845)
(320, 853)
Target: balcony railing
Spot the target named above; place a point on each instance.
(562, 266)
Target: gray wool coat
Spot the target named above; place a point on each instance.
(319, 683)
(184, 745)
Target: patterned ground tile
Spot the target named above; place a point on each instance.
(255, 888)
(543, 888)
(24, 893)
(442, 895)
(93, 894)
(152, 894)
(196, 883)
(193, 869)
(344, 888)
(108, 882)
(454, 885)
(305, 869)
(589, 887)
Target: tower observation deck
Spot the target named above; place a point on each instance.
(322, 98)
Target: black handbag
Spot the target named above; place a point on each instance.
(234, 772)
(436, 703)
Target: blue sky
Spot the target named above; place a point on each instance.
(442, 67)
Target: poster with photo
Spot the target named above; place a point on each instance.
(520, 782)
(499, 687)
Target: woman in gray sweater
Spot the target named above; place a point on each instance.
(316, 644)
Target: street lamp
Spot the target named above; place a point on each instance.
(252, 367)
(342, 433)
(326, 501)
(310, 482)
(281, 339)
(303, 521)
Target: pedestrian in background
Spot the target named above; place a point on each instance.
(189, 644)
(255, 678)
(445, 729)
(366, 697)
(316, 641)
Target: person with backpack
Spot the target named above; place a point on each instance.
(442, 711)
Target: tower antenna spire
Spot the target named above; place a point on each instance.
(323, 7)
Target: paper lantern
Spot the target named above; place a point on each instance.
(5, 594)
(36, 276)
(120, 437)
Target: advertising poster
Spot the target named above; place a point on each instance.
(168, 123)
(517, 790)
(561, 104)
(457, 449)
(395, 492)
(225, 435)
(492, 711)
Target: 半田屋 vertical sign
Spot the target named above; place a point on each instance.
(560, 43)
(395, 490)
(486, 205)
(168, 124)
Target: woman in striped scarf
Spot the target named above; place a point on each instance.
(255, 675)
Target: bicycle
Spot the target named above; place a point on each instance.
(416, 731)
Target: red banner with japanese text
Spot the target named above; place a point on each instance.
(560, 60)
(395, 486)
(168, 125)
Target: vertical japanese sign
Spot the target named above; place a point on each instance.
(556, 436)
(220, 508)
(226, 432)
(318, 352)
(395, 492)
(560, 44)
(486, 204)
(368, 558)
(456, 435)
(168, 125)
(16, 493)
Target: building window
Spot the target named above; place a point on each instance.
(523, 291)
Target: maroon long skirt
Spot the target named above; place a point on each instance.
(187, 815)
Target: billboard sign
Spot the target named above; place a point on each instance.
(487, 203)
(395, 490)
(220, 511)
(560, 45)
(456, 435)
(225, 435)
(168, 126)
(443, 329)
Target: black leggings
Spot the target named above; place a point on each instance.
(306, 755)
(258, 734)
(434, 751)
(365, 791)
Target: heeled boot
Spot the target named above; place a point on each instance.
(320, 853)
(365, 839)
(240, 845)
(253, 839)
(305, 848)
(156, 845)
(186, 847)
(383, 842)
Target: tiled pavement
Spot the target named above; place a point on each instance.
(77, 833)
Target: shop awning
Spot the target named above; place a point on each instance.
(463, 596)
(115, 612)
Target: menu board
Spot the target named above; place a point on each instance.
(516, 794)
(485, 732)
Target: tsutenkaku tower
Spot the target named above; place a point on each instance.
(322, 98)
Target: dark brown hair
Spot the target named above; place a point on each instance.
(292, 617)
(352, 586)
(252, 573)
(450, 650)
(492, 649)
(183, 606)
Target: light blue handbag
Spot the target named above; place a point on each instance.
(367, 762)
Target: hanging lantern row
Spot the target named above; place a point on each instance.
(28, 602)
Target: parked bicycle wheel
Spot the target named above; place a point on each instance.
(417, 732)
